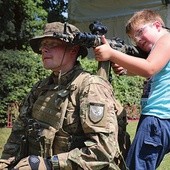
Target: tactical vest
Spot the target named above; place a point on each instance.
(46, 136)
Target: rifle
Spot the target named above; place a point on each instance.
(93, 39)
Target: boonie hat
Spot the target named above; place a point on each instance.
(53, 28)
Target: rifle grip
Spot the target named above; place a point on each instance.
(104, 69)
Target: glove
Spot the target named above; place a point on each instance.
(34, 163)
(4, 163)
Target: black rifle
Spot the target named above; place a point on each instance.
(93, 39)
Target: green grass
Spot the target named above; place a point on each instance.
(131, 128)
(4, 135)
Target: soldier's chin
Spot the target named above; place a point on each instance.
(47, 65)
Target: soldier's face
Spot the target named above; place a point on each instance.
(56, 54)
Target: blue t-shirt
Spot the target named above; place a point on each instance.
(156, 94)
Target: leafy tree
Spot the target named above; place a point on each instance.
(19, 20)
(19, 70)
(55, 9)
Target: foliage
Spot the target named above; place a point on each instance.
(19, 70)
(55, 10)
(89, 65)
(128, 90)
(125, 86)
(20, 20)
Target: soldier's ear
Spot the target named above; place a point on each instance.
(75, 49)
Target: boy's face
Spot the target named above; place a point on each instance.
(144, 36)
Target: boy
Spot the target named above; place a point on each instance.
(152, 140)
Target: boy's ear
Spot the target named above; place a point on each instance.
(157, 24)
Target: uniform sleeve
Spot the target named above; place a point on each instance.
(15, 143)
(99, 122)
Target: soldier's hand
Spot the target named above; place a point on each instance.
(4, 163)
(33, 163)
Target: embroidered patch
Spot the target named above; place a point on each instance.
(96, 112)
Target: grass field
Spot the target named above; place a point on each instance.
(4, 135)
(131, 128)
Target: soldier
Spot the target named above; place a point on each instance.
(68, 120)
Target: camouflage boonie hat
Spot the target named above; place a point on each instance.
(53, 28)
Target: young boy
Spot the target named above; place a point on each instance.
(152, 140)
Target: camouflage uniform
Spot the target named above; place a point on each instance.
(71, 117)
(75, 121)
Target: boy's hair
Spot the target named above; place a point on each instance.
(142, 17)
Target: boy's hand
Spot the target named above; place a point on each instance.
(118, 69)
(103, 52)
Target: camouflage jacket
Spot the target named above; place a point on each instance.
(85, 127)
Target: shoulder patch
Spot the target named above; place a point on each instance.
(96, 112)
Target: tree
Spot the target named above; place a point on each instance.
(19, 20)
(55, 9)
(19, 71)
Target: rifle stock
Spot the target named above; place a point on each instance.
(104, 69)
